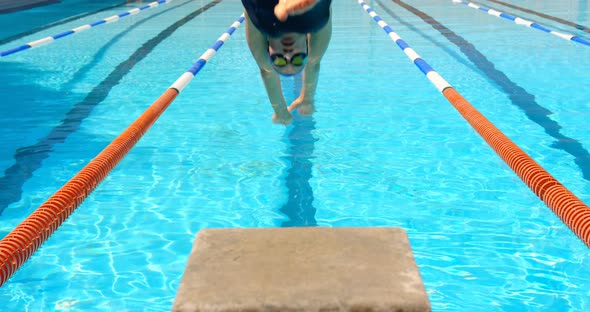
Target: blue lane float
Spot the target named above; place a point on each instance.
(184, 80)
(437, 80)
(107, 20)
(524, 22)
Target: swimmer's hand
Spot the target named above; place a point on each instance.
(283, 119)
(293, 7)
(304, 107)
(282, 115)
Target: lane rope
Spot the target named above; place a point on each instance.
(524, 22)
(569, 208)
(543, 15)
(19, 245)
(110, 19)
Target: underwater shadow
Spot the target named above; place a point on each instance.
(299, 206)
(300, 146)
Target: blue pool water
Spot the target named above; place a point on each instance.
(384, 148)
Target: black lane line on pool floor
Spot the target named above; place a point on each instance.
(102, 52)
(518, 96)
(300, 146)
(28, 6)
(28, 159)
(61, 22)
(543, 15)
(299, 206)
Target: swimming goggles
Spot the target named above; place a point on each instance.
(280, 60)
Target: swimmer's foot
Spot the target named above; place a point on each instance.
(285, 8)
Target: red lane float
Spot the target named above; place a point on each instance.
(27, 237)
(570, 209)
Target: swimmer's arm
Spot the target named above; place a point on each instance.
(318, 44)
(258, 45)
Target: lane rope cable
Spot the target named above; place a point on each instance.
(111, 19)
(522, 21)
(27, 237)
(569, 208)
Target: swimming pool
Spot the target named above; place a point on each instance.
(383, 149)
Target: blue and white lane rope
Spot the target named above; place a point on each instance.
(522, 21)
(184, 80)
(107, 20)
(439, 82)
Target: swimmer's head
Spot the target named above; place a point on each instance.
(288, 53)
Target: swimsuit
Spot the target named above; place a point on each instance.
(261, 13)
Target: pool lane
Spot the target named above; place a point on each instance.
(29, 158)
(20, 244)
(54, 24)
(519, 96)
(574, 213)
(110, 19)
(521, 21)
(545, 16)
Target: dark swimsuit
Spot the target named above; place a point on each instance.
(261, 13)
